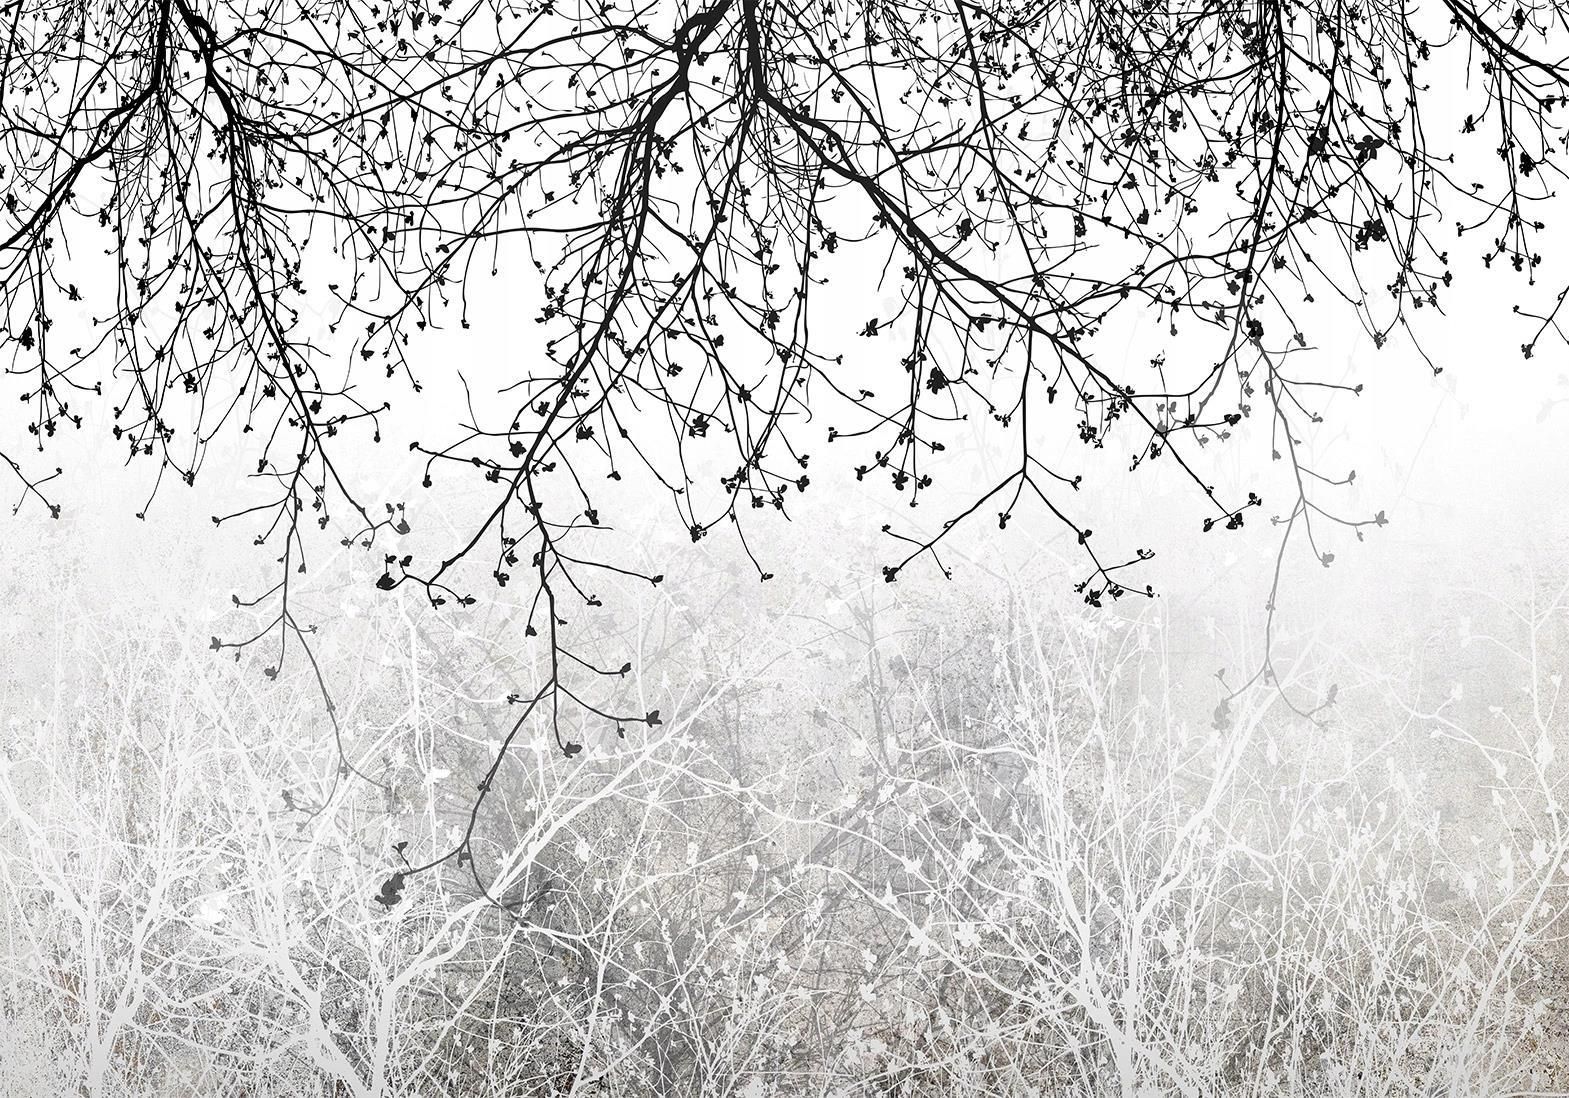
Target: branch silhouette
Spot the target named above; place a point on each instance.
(188, 182)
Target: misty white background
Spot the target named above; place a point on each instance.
(1469, 467)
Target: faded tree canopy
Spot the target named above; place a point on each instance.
(779, 243)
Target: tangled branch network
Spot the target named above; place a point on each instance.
(187, 183)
